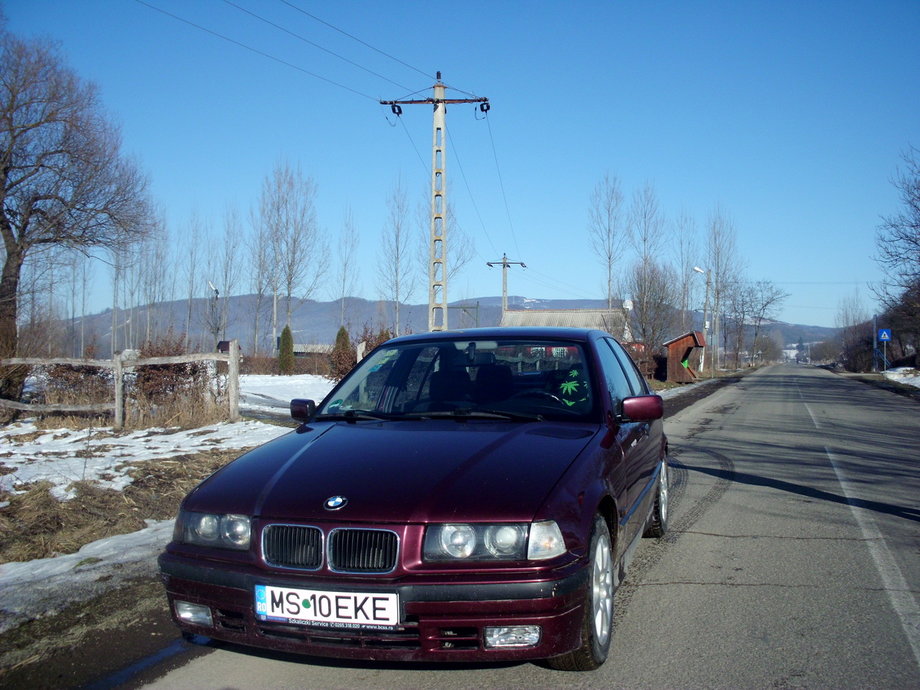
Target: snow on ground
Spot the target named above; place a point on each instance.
(906, 375)
(62, 456)
(272, 393)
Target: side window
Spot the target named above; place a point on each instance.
(636, 382)
(613, 372)
(365, 392)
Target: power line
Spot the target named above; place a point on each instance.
(470, 191)
(355, 38)
(554, 283)
(501, 184)
(254, 50)
(412, 141)
(820, 282)
(315, 45)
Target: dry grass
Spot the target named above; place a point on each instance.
(37, 525)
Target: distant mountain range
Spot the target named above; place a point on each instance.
(318, 322)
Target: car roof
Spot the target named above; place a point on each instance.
(538, 332)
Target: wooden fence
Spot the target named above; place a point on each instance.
(122, 365)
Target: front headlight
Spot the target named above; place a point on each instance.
(206, 529)
(496, 542)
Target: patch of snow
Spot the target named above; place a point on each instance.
(45, 586)
(64, 456)
(905, 375)
(259, 393)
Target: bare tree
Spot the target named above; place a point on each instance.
(38, 309)
(394, 267)
(261, 272)
(766, 300)
(646, 224)
(299, 251)
(229, 270)
(462, 248)
(898, 242)
(855, 324)
(605, 228)
(346, 275)
(459, 247)
(724, 267)
(194, 282)
(80, 274)
(223, 272)
(63, 180)
(685, 250)
(652, 285)
(736, 307)
(156, 277)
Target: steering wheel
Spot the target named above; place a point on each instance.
(535, 393)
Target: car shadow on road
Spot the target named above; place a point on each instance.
(332, 662)
(755, 480)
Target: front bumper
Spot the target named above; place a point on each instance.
(438, 622)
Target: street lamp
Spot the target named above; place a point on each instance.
(706, 320)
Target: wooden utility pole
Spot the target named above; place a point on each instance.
(437, 251)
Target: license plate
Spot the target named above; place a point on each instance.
(327, 609)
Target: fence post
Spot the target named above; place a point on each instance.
(233, 380)
(118, 376)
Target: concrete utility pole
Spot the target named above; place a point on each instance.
(505, 264)
(437, 251)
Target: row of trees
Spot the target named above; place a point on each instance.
(653, 269)
(898, 253)
(72, 202)
(64, 185)
(897, 242)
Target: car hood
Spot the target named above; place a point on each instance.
(412, 471)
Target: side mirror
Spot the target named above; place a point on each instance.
(642, 408)
(302, 410)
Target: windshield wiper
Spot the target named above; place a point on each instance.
(353, 416)
(465, 413)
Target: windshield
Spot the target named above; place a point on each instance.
(504, 378)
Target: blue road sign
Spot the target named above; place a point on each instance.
(884, 335)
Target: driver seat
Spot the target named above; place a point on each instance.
(493, 382)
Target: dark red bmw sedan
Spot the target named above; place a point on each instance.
(459, 496)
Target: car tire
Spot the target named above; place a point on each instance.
(597, 627)
(658, 522)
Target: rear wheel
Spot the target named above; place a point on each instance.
(658, 524)
(597, 628)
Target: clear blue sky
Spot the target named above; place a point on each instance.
(789, 116)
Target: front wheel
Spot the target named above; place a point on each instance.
(597, 628)
(658, 523)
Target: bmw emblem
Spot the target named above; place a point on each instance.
(335, 502)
